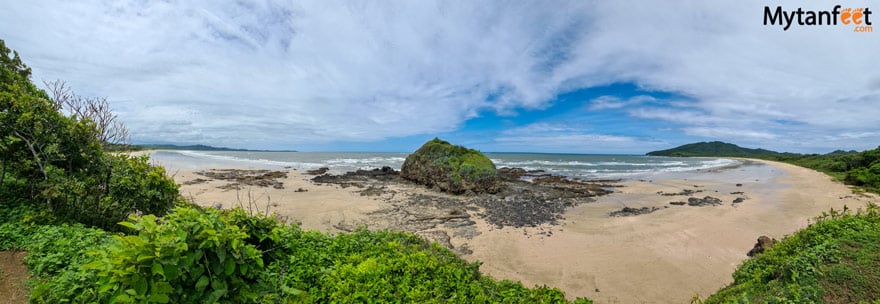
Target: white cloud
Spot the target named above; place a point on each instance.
(284, 74)
(568, 138)
(721, 132)
(613, 102)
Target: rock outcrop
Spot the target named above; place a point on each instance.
(705, 201)
(764, 243)
(451, 168)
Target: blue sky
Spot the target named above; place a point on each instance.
(528, 76)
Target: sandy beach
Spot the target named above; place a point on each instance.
(666, 256)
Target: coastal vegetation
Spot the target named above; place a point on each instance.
(107, 228)
(861, 169)
(834, 260)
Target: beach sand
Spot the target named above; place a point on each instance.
(667, 256)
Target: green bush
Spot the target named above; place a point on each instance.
(189, 256)
(206, 256)
(834, 260)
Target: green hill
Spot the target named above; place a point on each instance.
(198, 148)
(713, 149)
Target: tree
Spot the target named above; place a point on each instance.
(111, 131)
(57, 160)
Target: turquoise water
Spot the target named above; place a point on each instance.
(572, 165)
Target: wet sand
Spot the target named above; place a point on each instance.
(666, 256)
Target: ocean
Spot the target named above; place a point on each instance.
(585, 166)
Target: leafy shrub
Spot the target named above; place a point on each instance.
(206, 256)
(125, 185)
(834, 260)
(189, 256)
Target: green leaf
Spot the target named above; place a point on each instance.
(122, 298)
(140, 285)
(145, 257)
(129, 225)
(158, 270)
(162, 287)
(159, 298)
(170, 272)
(243, 269)
(230, 267)
(221, 254)
(202, 283)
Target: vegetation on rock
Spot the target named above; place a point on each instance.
(451, 168)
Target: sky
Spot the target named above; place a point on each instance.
(604, 77)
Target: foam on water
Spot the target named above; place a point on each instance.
(580, 166)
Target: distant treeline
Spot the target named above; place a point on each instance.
(859, 169)
(141, 147)
(853, 168)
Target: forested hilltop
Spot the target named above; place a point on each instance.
(712, 149)
(860, 169)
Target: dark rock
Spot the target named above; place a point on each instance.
(259, 178)
(627, 211)
(372, 191)
(318, 171)
(687, 192)
(764, 243)
(678, 203)
(737, 192)
(738, 200)
(739, 185)
(518, 203)
(511, 174)
(705, 201)
(357, 178)
(454, 169)
(195, 181)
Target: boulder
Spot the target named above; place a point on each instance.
(764, 243)
(451, 168)
(511, 174)
(705, 201)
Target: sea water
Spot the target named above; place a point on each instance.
(585, 166)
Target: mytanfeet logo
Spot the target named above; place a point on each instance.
(859, 19)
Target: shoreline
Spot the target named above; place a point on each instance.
(668, 255)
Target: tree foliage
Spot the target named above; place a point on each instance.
(858, 169)
(58, 161)
(110, 131)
